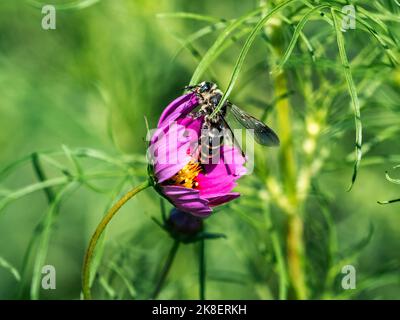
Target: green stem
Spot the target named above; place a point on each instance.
(163, 210)
(99, 230)
(296, 256)
(42, 177)
(245, 49)
(280, 260)
(202, 270)
(295, 250)
(279, 255)
(166, 268)
(295, 243)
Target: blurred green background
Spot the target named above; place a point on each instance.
(91, 82)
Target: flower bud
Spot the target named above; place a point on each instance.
(184, 224)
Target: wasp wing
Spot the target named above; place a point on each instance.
(229, 137)
(263, 134)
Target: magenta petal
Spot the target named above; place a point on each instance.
(180, 107)
(173, 146)
(219, 179)
(217, 200)
(193, 128)
(187, 200)
(169, 151)
(194, 124)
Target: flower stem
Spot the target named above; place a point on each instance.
(295, 242)
(296, 256)
(99, 230)
(202, 270)
(166, 268)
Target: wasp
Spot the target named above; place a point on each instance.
(215, 128)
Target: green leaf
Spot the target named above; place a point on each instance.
(297, 34)
(245, 50)
(73, 5)
(6, 265)
(32, 188)
(353, 94)
(44, 238)
(189, 15)
(214, 52)
(355, 250)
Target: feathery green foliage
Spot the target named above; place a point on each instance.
(73, 141)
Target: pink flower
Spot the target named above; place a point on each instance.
(190, 186)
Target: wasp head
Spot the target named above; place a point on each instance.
(206, 86)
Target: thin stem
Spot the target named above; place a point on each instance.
(43, 238)
(389, 201)
(202, 270)
(296, 256)
(288, 167)
(42, 177)
(163, 210)
(50, 195)
(353, 95)
(280, 260)
(295, 242)
(245, 49)
(99, 230)
(166, 268)
(279, 255)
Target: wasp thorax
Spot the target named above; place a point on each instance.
(216, 98)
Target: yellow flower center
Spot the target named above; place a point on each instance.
(187, 175)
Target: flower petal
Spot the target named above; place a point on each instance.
(173, 146)
(187, 200)
(193, 128)
(219, 179)
(180, 107)
(168, 151)
(217, 200)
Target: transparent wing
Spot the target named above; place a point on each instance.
(229, 137)
(263, 134)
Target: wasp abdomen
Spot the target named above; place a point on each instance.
(211, 140)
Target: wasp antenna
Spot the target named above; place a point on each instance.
(188, 87)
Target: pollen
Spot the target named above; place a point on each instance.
(186, 177)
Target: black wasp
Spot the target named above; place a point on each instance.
(215, 128)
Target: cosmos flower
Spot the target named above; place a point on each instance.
(191, 186)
